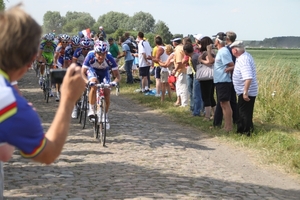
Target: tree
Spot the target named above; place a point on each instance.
(162, 29)
(112, 21)
(53, 21)
(77, 21)
(143, 22)
(2, 5)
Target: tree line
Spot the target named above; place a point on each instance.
(114, 24)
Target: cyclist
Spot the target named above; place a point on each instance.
(46, 55)
(70, 49)
(59, 58)
(81, 52)
(96, 69)
(78, 58)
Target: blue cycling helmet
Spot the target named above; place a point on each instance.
(86, 43)
(100, 47)
(76, 40)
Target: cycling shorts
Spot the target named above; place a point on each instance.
(48, 57)
(101, 75)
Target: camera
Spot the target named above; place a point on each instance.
(57, 75)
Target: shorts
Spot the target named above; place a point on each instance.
(157, 72)
(48, 58)
(223, 91)
(60, 62)
(144, 71)
(164, 75)
(101, 75)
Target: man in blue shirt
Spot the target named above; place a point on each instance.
(128, 60)
(223, 67)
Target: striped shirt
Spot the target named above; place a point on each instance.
(245, 69)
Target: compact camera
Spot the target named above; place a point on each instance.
(57, 75)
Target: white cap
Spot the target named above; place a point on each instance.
(198, 36)
(100, 27)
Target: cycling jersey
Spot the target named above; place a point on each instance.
(61, 50)
(48, 50)
(95, 69)
(79, 56)
(20, 125)
(69, 53)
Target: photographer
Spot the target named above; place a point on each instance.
(20, 125)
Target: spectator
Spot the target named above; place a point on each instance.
(222, 77)
(207, 57)
(28, 135)
(102, 33)
(113, 49)
(197, 46)
(128, 60)
(245, 84)
(160, 54)
(230, 38)
(144, 52)
(196, 99)
(180, 72)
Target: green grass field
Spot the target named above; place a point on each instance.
(276, 139)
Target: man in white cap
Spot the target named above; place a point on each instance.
(102, 32)
(245, 85)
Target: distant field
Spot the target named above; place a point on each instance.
(277, 57)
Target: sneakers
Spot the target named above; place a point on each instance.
(91, 113)
(107, 122)
(41, 81)
(57, 97)
(51, 93)
(74, 113)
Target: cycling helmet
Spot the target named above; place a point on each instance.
(65, 37)
(86, 43)
(100, 47)
(76, 40)
(49, 37)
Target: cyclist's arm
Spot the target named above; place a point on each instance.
(39, 55)
(74, 60)
(83, 74)
(116, 74)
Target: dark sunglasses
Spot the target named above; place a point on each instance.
(85, 49)
(64, 42)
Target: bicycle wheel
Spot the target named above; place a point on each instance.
(44, 89)
(47, 87)
(102, 126)
(84, 111)
(96, 127)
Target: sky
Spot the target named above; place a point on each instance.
(249, 19)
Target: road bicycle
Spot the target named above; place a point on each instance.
(82, 107)
(100, 116)
(46, 83)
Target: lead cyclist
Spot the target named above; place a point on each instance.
(95, 69)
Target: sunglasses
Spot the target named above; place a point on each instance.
(64, 42)
(85, 49)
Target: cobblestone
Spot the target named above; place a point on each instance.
(147, 157)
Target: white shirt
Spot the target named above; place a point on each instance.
(245, 69)
(144, 47)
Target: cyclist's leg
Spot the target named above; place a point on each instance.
(92, 77)
(49, 61)
(60, 62)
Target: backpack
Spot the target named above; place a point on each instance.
(132, 46)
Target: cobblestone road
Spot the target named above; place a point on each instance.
(147, 157)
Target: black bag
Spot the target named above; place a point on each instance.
(132, 46)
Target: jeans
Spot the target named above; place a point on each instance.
(128, 69)
(189, 82)
(197, 98)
